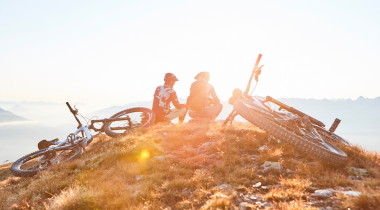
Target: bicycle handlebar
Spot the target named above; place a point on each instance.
(71, 109)
(74, 113)
(253, 73)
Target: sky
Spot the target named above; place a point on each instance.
(116, 52)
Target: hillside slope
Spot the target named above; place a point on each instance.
(195, 166)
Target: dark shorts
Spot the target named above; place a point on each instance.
(207, 112)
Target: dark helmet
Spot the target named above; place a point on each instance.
(170, 77)
(236, 94)
(203, 74)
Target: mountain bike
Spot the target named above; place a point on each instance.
(287, 124)
(54, 152)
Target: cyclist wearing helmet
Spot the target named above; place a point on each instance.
(203, 101)
(165, 94)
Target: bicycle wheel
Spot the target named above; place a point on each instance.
(327, 152)
(30, 164)
(138, 117)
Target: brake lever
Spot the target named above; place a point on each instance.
(75, 110)
(257, 73)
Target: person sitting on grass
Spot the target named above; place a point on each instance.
(163, 96)
(203, 101)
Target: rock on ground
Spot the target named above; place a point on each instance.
(271, 166)
(245, 206)
(356, 171)
(322, 194)
(258, 184)
(223, 187)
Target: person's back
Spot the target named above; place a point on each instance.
(163, 96)
(203, 101)
(197, 99)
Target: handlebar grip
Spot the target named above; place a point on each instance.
(71, 109)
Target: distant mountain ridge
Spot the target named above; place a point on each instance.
(6, 116)
(19, 135)
(360, 116)
(32, 104)
(108, 112)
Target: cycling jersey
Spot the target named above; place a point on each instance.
(163, 96)
(202, 95)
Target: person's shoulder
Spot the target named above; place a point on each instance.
(210, 86)
(172, 90)
(159, 87)
(167, 89)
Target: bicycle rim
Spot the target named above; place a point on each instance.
(138, 117)
(30, 164)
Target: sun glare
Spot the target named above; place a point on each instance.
(145, 154)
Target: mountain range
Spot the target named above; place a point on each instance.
(6, 116)
(19, 136)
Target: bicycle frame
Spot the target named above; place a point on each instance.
(258, 104)
(77, 141)
(104, 121)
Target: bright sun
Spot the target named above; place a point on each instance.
(144, 154)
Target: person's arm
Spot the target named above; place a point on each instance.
(213, 95)
(174, 100)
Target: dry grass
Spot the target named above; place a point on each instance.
(272, 154)
(4, 171)
(291, 189)
(219, 201)
(369, 199)
(283, 194)
(294, 205)
(296, 183)
(105, 177)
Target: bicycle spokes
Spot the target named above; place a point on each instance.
(132, 120)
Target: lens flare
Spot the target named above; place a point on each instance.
(145, 154)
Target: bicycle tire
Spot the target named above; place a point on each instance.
(150, 121)
(337, 157)
(16, 166)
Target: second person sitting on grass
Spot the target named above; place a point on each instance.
(163, 96)
(203, 101)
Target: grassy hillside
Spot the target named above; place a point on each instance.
(193, 166)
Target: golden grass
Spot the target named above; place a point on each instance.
(296, 183)
(272, 154)
(4, 171)
(219, 201)
(105, 177)
(369, 199)
(294, 205)
(283, 194)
